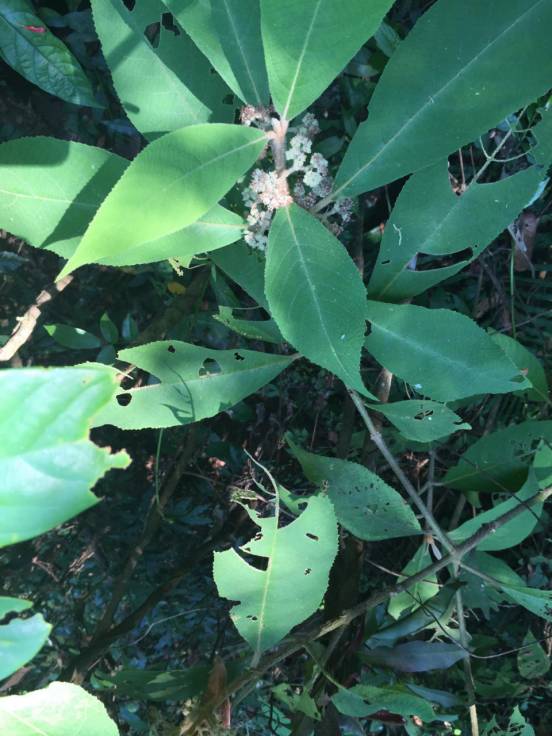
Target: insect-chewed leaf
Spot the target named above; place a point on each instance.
(422, 420)
(298, 560)
(195, 383)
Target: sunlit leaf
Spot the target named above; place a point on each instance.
(21, 638)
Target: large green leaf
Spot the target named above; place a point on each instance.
(442, 354)
(39, 56)
(228, 32)
(162, 88)
(298, 560)
(196, 383)
(61, 709)
(422, 420)
(168, 186)
(315, 293)
(20, 639)
(365, 700)
(246, 267)
(527, 363)
(308, 42)
(441, 88)
(50, 189)
(363, 502)
(47, 463)
(500, 460)
(419, 592)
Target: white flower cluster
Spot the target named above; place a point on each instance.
(266, 192)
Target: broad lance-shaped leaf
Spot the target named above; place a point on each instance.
(162, 88)
(298, 561)
(363, 502)
(195, 383)
(168, 186)
(528, 363)
(419, 592)
(441, 89)
(21, 638)
(442, 354)
(50, 189)
(47, 462)
(364, 700)
(315, 294)
(228, 32)
(39, 56)
(421, 420)
(308, 42)
(61, 709)
(246, 267)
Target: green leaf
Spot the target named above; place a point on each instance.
(479, 594)
(418, 593)
(297, 702)
(168, 186)
(50, 189)
(527, 363)
(20, 639)
(518, 726)
(228, 32)
(162, 88)
(315, 294)
(73, 337)
(196, 383)
(363, 502)
(47, 463)
(61, 709)
(299, 557)
(108, 328)
(441, 89)
(500, 460)
(510, 534)
(266, 330)
(442, 354)
(421, 421)
(365, 700)
(244, 266)
(159, 684)
(416, 656)
(434, 612)
(39, 56)
(308, 42)
(532, 660)
(537, 601)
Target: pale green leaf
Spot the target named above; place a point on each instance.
(50, 189)
(265, 329)
(442, 354)
(299, 557)
(421, 421)
(73, 337)
(363, 502)
(195, 383)
(315, 293)
(20, 639)
(61, 709)
(162, 88)
(365, 700)
(418, 593)
(228, 32)
(308, 43)
(532, 660)
(527, 363)
(168, 186)
(41, 57)
(47, 463)
(441, 88)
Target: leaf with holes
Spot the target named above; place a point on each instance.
(532, 660)
(168, 186)
(21, 638)
(517, 726)
(228, 32)
(47, 462)
(441, 89)
(442, 354)
(34, 52)
(307, 44)
(363, 502)
(61, 709)
(315, 294)
(195, 383)
(421, 421)
(298, 559)
(161, 87)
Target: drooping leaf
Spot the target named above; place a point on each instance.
(47, 463)
(440, 90)
(363, 502)
(299, 557)
(50, 189)
(527, 363)
(365, 700)
(532, 660)
(442, 354)
(479, 594)
(41, 57)
(195, 383)
(432, 613)
(244, 266)
(73, 337)
(422, 421)
(162, 88)
(416, 656)
(315, 293)
(228, 32)
(500, 460)
(20, 639)
(308, 42)
(61, 709)
(266, 330)
(418, 593)
(168, 186)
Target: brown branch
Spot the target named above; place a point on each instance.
(28, 322)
